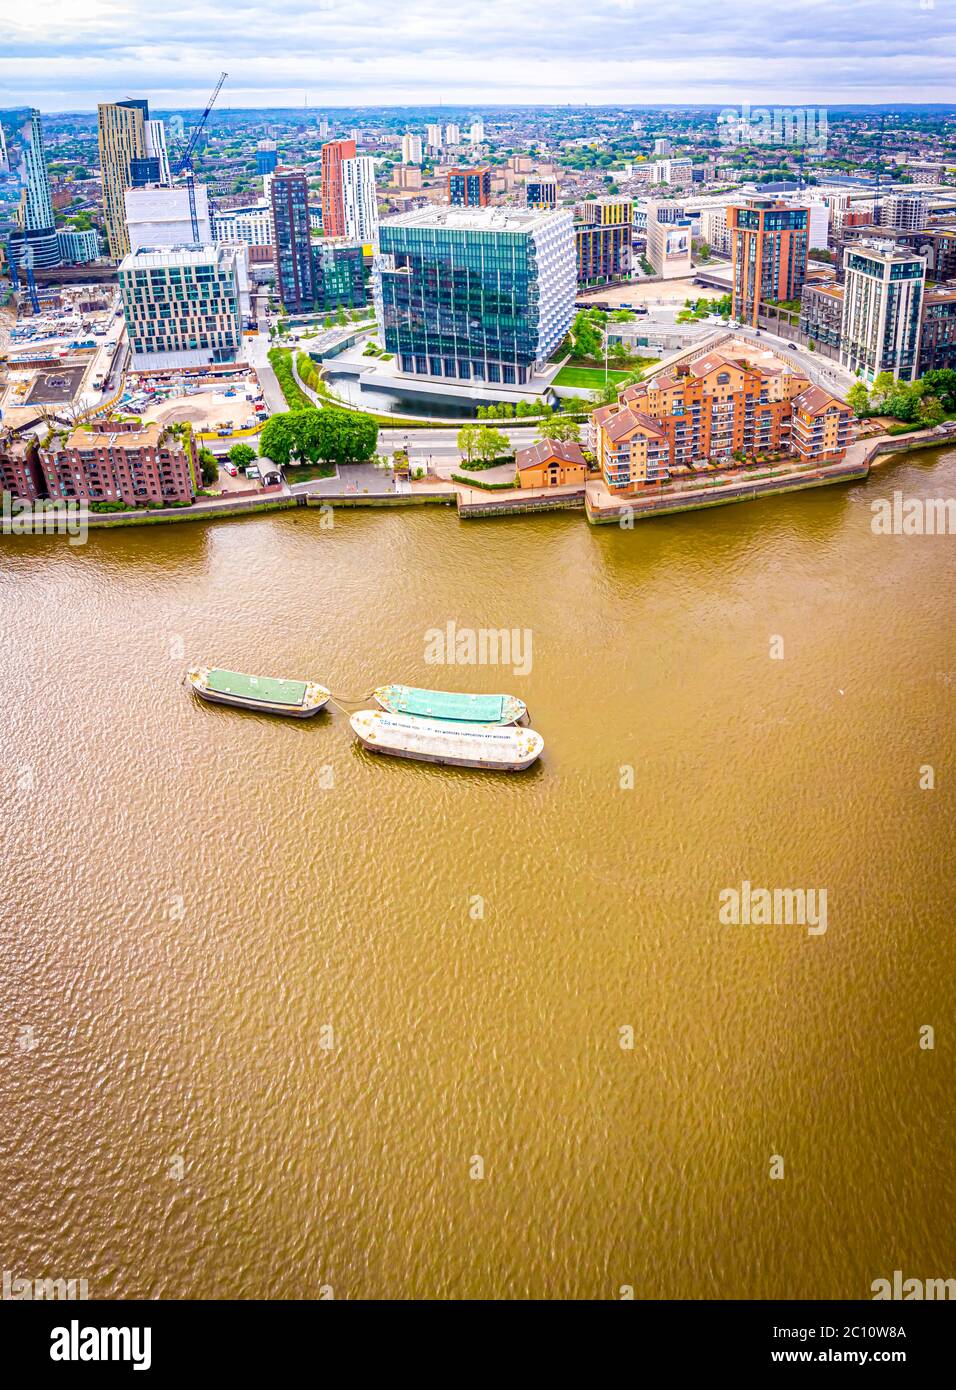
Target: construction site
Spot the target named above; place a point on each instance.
(62, 350)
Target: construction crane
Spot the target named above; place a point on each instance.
(186, 159)
(26, 264)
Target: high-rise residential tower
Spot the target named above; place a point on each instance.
(411, 149)
(293, 243)
(333, 201)
(267, 157)
(768, 249)
(433, 134)
(883, 288)
(36, 199)
(359, 199)
(452, 135)
(121, 127)
(156, 149)
(36, 225)
(477, 133)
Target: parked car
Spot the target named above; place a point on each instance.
(231, 469)
(225, 432)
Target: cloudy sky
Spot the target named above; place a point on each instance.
(68, 54)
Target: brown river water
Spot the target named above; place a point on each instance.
(279, 1017)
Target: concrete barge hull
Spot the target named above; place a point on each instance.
(487, 748)
(293, 699)
(259, 706)
(445, 762)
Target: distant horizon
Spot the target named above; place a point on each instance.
(447, 107)
(67, 55)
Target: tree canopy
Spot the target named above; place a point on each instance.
(319, 436)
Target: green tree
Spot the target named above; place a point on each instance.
(586, 337)
(903, 403)
(491, 443)
(931, 411)
(278, 439)
(565, 430)
(883, 387)
(467, 440)
(942, 383)
(607, 394)
(209, 466)
(241, 455)
(857, 398)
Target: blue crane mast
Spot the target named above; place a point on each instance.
(185, 165)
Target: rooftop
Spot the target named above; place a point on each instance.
(146, 438)
(814, 399)
(164, 257)
(566, 450)
(477, 219)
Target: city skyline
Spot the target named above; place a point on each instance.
(69, 56)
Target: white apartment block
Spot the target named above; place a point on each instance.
(882, 310)
(158, 216)
(818, 224)
(713, 229)
(433, 134)
(411, 149)
(360, 199)
(253, 225)
(477, 133)
(907, 212)
(677, 172)
(156, 148)
(452, 135)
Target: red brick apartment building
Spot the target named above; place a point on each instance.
(469, 188)
(135, 465)
(333, 198)
(20, 471)
(722, 409)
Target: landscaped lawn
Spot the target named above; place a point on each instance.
(591, 378)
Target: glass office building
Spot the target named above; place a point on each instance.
(475, 295)
(338, 269)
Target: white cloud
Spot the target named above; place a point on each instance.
(347, 52)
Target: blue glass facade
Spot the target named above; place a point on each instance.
(475, 297)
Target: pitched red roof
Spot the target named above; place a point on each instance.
(814, 400)
(546, 450)
(629, 420)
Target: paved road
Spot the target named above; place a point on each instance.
(258, 350)
(821, 370)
